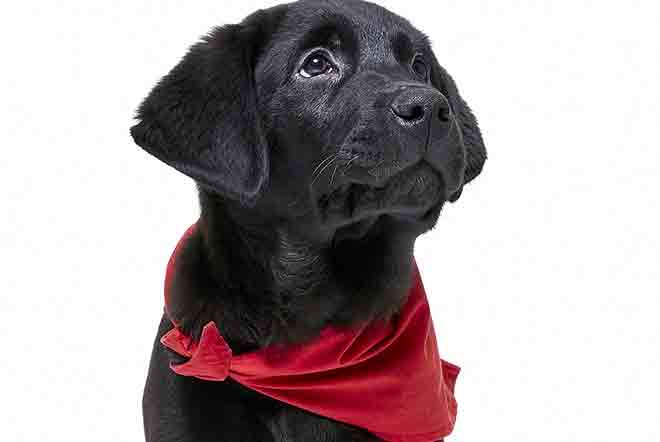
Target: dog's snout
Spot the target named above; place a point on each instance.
(416, 105)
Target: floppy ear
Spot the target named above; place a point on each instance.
(202, 117)
(471, 135)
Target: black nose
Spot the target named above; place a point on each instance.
(420, 104)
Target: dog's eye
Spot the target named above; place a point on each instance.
(419, 67)
(316, 64)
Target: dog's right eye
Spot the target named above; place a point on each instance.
(316, 64)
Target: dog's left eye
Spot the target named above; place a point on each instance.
(316, 64)
(419, 67)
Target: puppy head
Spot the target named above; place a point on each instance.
(333, 114)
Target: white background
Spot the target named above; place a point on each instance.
(543, 279)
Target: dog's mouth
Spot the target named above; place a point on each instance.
(415, 192)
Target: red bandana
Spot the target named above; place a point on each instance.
(385, 377)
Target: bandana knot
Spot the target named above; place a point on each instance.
(209, 359)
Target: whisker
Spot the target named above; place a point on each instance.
(324, 169)
(323, 162)
(348, 165)
(332, 180)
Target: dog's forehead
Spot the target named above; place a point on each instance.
(375, 30)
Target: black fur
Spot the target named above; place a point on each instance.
(312, 190)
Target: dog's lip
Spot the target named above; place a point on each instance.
(412, 193)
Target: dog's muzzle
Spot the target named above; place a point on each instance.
(425, 113)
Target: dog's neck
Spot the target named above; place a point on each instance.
(263, 284)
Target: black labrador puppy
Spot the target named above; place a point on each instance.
(324, 138)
